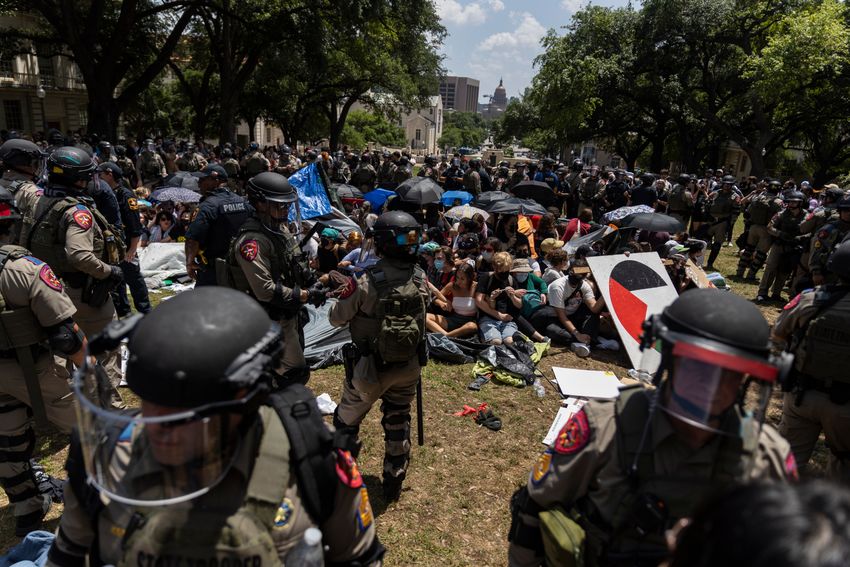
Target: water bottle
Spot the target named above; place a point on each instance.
(538, 388)
(309, 551)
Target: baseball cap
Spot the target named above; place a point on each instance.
(213, 170)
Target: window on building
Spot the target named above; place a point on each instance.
(84, 118)
(45, 71)
(7, 68)
(418, 134)
(14, 114)
(268, 135)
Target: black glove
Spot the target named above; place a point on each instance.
(117, 275)
(317, 295)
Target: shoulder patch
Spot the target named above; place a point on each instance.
(793, 303)
(364, 511)
(82, 216)
(346, 469)
(249, 250)
(791, 467)
(47, 276)
(133, 204)
(542, 467)
(283, 514)
(824, 232)
(574, 436)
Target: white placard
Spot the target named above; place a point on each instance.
(634, 287)
(580, 383)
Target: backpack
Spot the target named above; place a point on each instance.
(400, 312)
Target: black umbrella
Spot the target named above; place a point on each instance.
(652, 222)
(345, 191)
(536, 191)
(487, 198)
(420, 190)
(515, 206)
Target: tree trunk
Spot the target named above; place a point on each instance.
(252, 130)
(227, 123)
(103, 112)
(757, 167)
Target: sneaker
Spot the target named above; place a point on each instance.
(760, 299)
(580, 349)
(608, 344)
(728, 245)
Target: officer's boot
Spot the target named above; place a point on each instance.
(396, 423)
(715, 252)
(759, 258)
(745, 262)
(347, 437)
(18, 479)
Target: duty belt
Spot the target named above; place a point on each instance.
(74, 279)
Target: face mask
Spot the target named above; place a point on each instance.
(439, 264)
(487, 255)
(521, 277)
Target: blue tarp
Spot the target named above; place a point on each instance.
(449, 197)
(312, 196)
(378, 197)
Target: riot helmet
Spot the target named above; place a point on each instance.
(120, 151)
(774, 186)
(20, 153)
(794, 198)
(69, 165)
(728, 179)
(843, 204)
(839, 261)
(226, 153)
(577, 165)
(271, 194)
(833, 193)
(149, 146)
(714, 350)
(200, 389)
(396, 235)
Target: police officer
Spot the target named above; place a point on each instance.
(220, 214)
(760, 208)
(35, 319)
(214, 469)
(786, 249)
(811, 226)
(229, 163)
(77, 242)
(429, 168)
(589, 190)
(814, 326)
(680, 201)
(626, 470)
(112, 175)
(254, 161)
(340, 172)
(472, 178)
(190, 160)
(150, 166)
(265, 261)
(385, 310)
(721, 205)
(547, 176)
(615, 193)
(128, 168)
(825, 240)
(21, 161)
(517, 177)
(364, 176)
(401, 172)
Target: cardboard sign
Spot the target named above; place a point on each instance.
(697, 275)
(634, 287)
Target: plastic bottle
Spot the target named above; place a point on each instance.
(309, 551)
(538, 388)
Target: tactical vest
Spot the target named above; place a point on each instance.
(231, 166)
(254, 164)
(397, 328)
(42, 233)
(762, 209)
(149, 165)
(722, 206)
(19, 326)
(824, 352)
(677, 495)
(676, 202)
(363, 175)
(126, 165)
(589, 189)
(788, 224)
(287, 262)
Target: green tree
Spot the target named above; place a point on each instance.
(363, 127)
(463, 129)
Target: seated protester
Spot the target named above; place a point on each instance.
(442, 270)
(577, 310)
(484, 232)
(558, 261)
(506, 230)
(490, 247)
(528, 295)
(545, 230)
(357, 261)
(544, 248)
(467, 250)
(327, 252)
(464, 226)
(495, 323)
(160, 231)
(581, 225)
(457, 301)
(522, 249)
(178, 231)
(435, 234)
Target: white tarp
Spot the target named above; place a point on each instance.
(634, 287)
(160, 261)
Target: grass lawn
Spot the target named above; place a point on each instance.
(454, 507)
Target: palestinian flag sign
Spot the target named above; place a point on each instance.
(634, 287)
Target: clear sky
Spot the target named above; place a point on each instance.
(488, 39)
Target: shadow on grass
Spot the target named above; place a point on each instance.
(376, 494)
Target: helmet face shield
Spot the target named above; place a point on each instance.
(158, 456)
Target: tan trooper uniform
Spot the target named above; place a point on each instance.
(761, 208)
(588, 469)
(252, 517)
(268, 265)
(78, 254)
(395, 384)
(151, 168)
(821, 399)
(27, 283)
